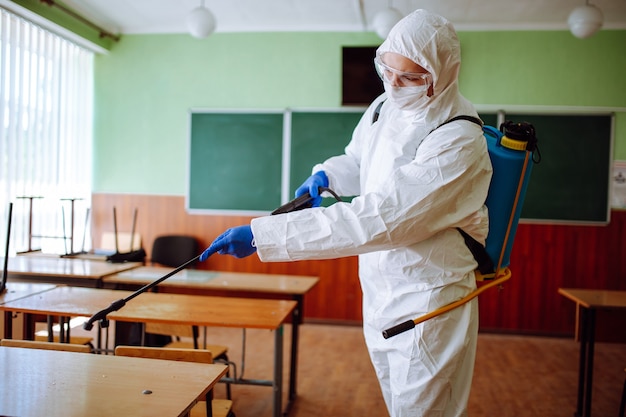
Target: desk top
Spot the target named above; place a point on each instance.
(17, 290)
(82, 255)
(57, 267)
(595, 298)
(216, 280)
(38, 382)
(159, 307)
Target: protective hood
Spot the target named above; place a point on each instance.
(430, 41)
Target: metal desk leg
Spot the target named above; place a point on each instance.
(28, 329)
(296, 320)
(278, 371)
(585, 365)
(591, 324)
(582, 361)
(8, 325)
(50, 327)
(64, 335)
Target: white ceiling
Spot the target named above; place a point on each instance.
(168, 16)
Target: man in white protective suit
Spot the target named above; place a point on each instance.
(416, 181)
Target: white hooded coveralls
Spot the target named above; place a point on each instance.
(413, 189)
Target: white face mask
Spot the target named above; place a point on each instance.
(407, 98)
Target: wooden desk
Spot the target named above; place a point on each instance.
(173, 309)
(34, 384)
(70, 271)
(15, 291)
(587, 303)
(203, 282)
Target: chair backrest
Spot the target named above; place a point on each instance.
(183, 355)
(215, 408)
(32, 344)
(174, 250)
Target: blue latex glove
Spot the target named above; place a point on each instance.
(236, 241)
(311, 185)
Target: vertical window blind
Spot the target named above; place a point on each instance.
(46, 106)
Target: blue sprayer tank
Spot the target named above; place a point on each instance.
(510, 151)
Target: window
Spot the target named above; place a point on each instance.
(46, 106)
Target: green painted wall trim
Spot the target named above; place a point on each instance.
(66, 21)
(146, 85)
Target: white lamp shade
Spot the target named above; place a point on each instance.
(201, 22)
(584, 21)
(385, 20)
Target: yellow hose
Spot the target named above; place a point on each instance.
(506, 274)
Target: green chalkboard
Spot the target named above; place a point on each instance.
(571, 183)
(490, 119)
(316, 136)
(235, 161)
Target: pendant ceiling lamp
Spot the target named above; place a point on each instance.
(585, 21)
(201, 22)
(386, 19)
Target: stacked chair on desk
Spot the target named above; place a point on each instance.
(173, 251)
(212, 407)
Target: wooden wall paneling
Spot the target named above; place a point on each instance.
(616, 247)
(544, 258)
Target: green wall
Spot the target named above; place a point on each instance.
(146, 85)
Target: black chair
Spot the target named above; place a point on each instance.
(174, 250)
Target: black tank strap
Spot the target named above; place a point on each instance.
(377, 112)
(464, 117)
(485, 263)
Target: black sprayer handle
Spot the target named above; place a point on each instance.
(102, 314)
(399, 328)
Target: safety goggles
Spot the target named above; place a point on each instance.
(401, 78)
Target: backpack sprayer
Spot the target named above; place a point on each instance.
(511, 157)
(511, 153)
